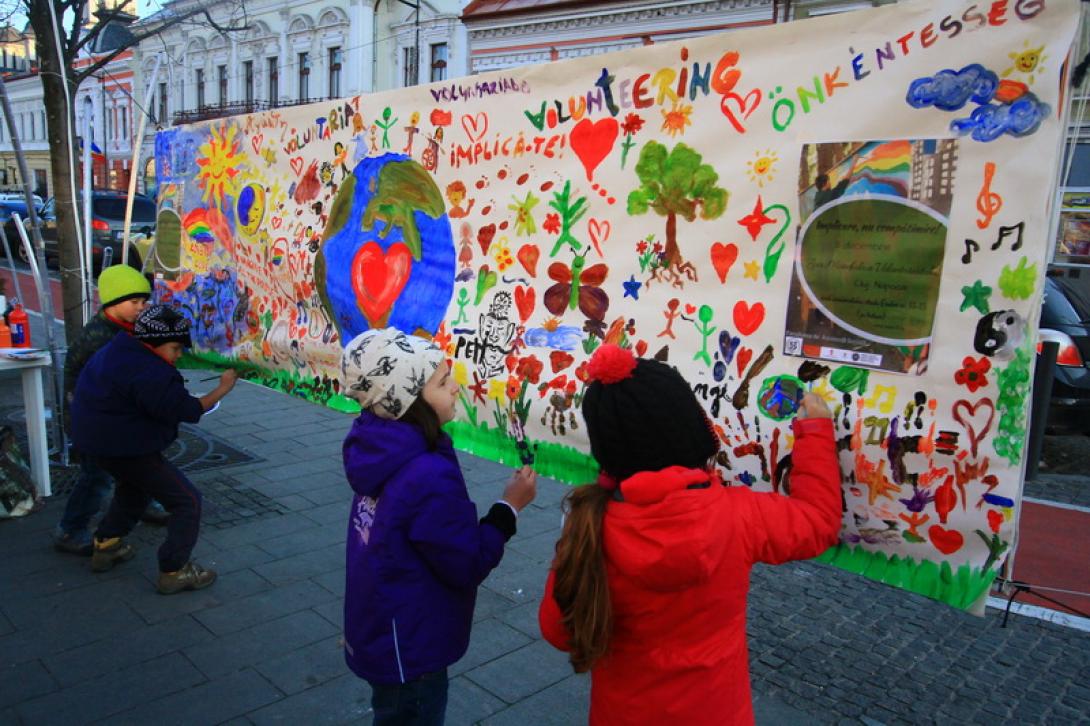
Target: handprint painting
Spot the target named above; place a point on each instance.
(763, 211)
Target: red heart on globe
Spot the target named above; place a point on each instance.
(528, 256)
(995, 520)
(946, 541)
(525, 298)
(748, 318)
(723, 256)
(560, 360)
(592, 141)
(379, 277)
(742, 358)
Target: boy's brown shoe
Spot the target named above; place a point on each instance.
(190, 577)
(109, 552)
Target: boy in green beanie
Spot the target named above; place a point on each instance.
(124, 293)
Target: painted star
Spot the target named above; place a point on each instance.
(755, 220)
(753, 270)
(976, 296)
(632, 287)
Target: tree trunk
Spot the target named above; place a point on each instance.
(59, 123)
(672, 251)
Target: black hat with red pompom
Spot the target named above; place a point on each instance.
(642, 416)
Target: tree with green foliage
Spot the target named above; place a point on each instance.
(676, 183)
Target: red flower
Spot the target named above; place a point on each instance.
(632, 124)
(479, 388)
(552, 223)
(973, 373)
(560, 360)
(514, 386)
(657, 248)
(442, 337)
(530, 368)
(511, 361)
(642, 247)
(581, 372)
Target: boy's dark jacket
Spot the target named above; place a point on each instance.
(415, 552)
(129, 401)
(98, 331)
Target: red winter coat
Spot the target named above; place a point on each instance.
(678, 563)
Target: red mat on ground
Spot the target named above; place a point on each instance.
(1054, 552)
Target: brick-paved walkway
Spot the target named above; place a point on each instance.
(262, 645)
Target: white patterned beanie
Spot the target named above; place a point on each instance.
(385, 370)
(158, 324)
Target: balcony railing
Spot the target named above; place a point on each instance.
(219, 110)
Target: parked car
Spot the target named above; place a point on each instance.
(107, 226)
(1065, 319)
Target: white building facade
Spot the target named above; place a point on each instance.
(289, 54)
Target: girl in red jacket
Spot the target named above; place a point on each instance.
(648, 588)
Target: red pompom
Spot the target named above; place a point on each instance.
(611, 363)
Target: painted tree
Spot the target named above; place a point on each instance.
(676, 183)
(77, 40)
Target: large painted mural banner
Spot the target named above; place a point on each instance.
(855, 205)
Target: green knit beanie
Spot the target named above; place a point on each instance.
(118, 283)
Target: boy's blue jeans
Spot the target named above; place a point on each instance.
(86, 497)
(422, 702)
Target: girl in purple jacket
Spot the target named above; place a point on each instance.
(416, 551)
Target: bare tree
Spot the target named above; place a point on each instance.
(58, 48)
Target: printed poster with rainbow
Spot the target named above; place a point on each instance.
(856, 205)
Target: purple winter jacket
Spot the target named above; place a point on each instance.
(415, 552)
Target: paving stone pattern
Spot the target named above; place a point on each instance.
(263, 644)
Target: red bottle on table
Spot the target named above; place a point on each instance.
(20, 327)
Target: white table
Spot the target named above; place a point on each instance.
(34, 403)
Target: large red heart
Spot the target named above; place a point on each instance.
(475, 126)
(723, 256)
(560, 360)
(973, 423)
(592, 141)
(525, 298)
(946, 541)
(528, 255)
(742, 358)
(748, 318)
(745, 105)
(378, 279)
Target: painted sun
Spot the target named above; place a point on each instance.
(762, 167)
(676, 119)
(1026, 62)
(218, 161)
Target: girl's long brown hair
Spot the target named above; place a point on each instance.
(580, 588)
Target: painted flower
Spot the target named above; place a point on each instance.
(632, 124)
(514, 387)
(642, 246)
(497, 390)
(461, 377)
(501, 253)
(530, 368)
(973, 373)
(442, 339)
(551, 223)
(478, 388)
(581, 372)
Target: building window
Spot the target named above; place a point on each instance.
(200, 88)
(334, 72)
(223, 85)
(274, 81)
(438, 62)
(411, 75)
(124, 122)
(304, 76)
(248, 80)
(162, 103)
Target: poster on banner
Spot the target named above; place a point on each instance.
(855, 205)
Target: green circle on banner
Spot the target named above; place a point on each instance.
(873, 264)
(168, 238)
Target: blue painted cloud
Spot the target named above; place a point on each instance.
(949, 90)
(1019, 118)
(565, 337)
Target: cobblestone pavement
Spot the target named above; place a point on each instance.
(262, 645)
